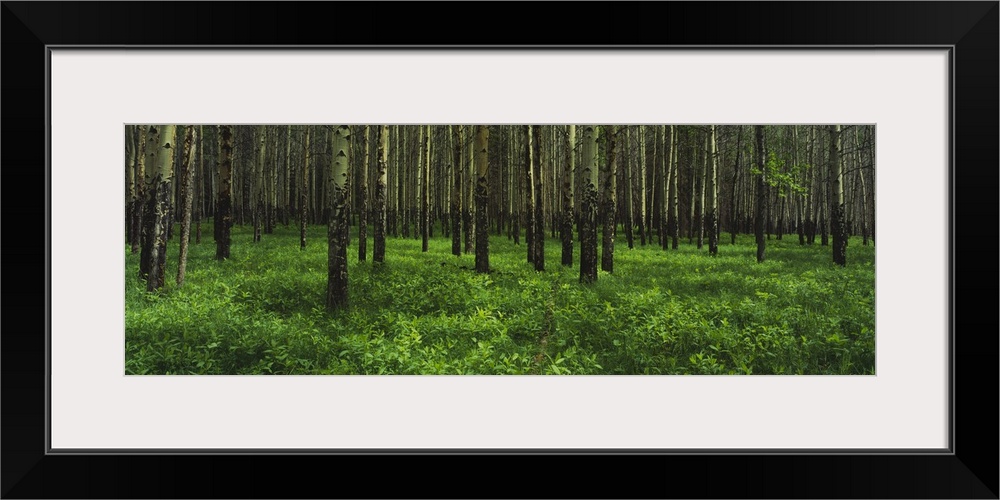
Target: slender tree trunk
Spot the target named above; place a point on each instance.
(529, 203)
(838, 224)
(130, 153)
(711, 218)
(733, 200)
(700, 222)
(287, 201)
(471, 181)
(517, 184)
(378, 254)
(482, 199)
(657, 176)
(552, 154)
(186, 200)
(258, 183)
(140, 187)
(160, 175)
(588, 207)
(863, 184)
(148, 201)
(199, 183)
(336, 288)
(801, 196)
(824, 192)
(664, 187)
(608, 201)
(363, 201)
(247, 167)
(272, 183)
(674, 222)
(539, 228)
(567, 199)
(628, 216)
(425, 221)
(456, 191)
(304, 192)
(224, 203)
(811, 192)
(642, 185)
(760, 208)
(692, 224)
(653, 172)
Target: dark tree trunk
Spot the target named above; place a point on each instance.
(733, 224)
(378, 252)
(224, 204)
(136, 226)
(482, 200)
(304, 194)
(838, 224)
(186, 200)
(627, 195)
(363, 200)
(529, 210)
(761, 208)
(425, 171)
(146, 233)
(608, 203)
(539, 239)
(588, 207)
(456, 192)
(566, 228)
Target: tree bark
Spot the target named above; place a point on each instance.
(666, 174)
(567, 199)
(258, 184)
(674, 225)
(482, 199)
(159, 173)
(588, 206)
(628, 216)
(187, 162)
(140, 187)
(199, 182)
(608, 201)
(838, 224)
(469, 221)
(700, 221)
(539, 168)
(711, 218)
(760, 208)
(378, 253)
(224, 204)
(642, 185)
(304, 191)
(733, 199)
(363, 200)
(337, 227)
(529, 203)
(425, 172)
(456, 191)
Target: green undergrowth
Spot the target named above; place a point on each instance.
(660, 312)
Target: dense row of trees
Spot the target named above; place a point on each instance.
(658, 184)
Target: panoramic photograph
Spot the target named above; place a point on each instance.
(495, 249)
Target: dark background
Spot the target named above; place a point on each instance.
(971, 472)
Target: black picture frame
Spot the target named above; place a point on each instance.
(970, 470)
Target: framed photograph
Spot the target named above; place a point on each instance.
(918, 79)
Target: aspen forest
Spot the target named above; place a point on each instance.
(475, 249)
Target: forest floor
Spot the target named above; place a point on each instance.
(660, 312)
